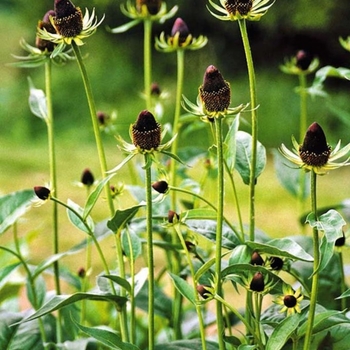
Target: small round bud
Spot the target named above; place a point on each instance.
(155, 89)
(69, 19)
(290, 301)
(276, 263)
(257, 283)
(339, 242)
(160, 186)
(87, 178)
(203, 291)
(256, 259)
(43, 193)
(153, 6)
(303, 59)
(146, 132)
(81, 272)
(172, 216)
(102, 118)
(180, 27)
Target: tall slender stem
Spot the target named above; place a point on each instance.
(315, 277)
(254, 121)
(147, 61)
(53, 185)
(150, 258)
(219, 224)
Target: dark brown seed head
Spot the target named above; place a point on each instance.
(257, 284)
(315, 151)
(69, 19)
(191, 247)
(276, 263)
(102, 117)
(43, 193)
(81, 272)
(203, 291)
(87, 178)
(303, 59)
(215, 92)
(238, 6)
(155, 89)
(146, 132)
(160, 186)
(256, 259)
(46, 24)
(172, 215)
(290, 301)
(180, 27)
(153, 6)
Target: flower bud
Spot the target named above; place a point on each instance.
(172, 215)
(315, 151)
(69, 19)
(87, 178)
(102, 118)
(203, 291)
(155, 89)
(43, 193)
(276, 263)
(153, 6)
(339, 242)
(303, 59)
(146, 132)
(180, 27)
(238, 6)
(215, 92)
(160, 186)
(190, 247)
(257, 283)
(256, 259)
(42, 44)
(82, 272)
(290, 301)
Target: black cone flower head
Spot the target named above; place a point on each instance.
(315, 151)
(161, 186)
(203, 291)
(87, 178)
(42, 193)
(215, 92)
(276, 263)
(238, 6)
(180, 27)
(257, 284)
(146, 132)
(172, 215)
(153, 6)
(42, 44)
(256, 259)
(303, 59)
(69, 19)
(290, 301)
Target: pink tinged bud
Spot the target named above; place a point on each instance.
(303, 59)
(102, 117)
(42, 193)
(146, 132)
(180, 27)
(155, 89)
(41, 44)
(203, 291)
(315, 151)
(69, 19)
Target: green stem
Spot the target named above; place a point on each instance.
(150, 258)
(257, 315)
(254, 121)
(315, 277)
(342, 282)
(219, 224)
(147, 60)
(53, 187)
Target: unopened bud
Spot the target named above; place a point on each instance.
(172, 215)
(257, 284)
(256, 259)
(303, 59)
(276, 263)
(339, 242)
(42, 44)
(160, 186)
(203, 291)
(153, 6)
(43, 193)
(87, 178)
(180, 27)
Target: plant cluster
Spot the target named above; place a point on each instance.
(181, 263)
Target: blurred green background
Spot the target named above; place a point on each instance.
(115, 67)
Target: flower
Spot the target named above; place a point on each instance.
(233, 10)
(160, 186)
(290, 300)
(302, 63)
(42, 44)
(257, 283)
(87, 178)
(43, 194)
(180, 38)
(151, 6)
(70, 26)
(214, 97)
(315, 154)
(256, 259)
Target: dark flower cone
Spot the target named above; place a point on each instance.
(203, 291)
(257, 284)
(303, 59)
(153, 6)
(43, 193)
(339, 242)
(87, 178)
(41, 44)
(256, 259)
(215, 92)
(315, 151)
(69, 19)
(155, 89)
(180, 27)
(160, 186)
(290, 301)
(276, 263)
(146, 132)
(241, 6)
(172, 215)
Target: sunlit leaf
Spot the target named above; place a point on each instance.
(122, 217)
(37, 101)
(230, 145)
(13, 206)
(184, 288)
(118, 280)
(131, 244)
(244, 157)
(86, 225)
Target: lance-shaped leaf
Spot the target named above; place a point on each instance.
(244, 157)
(122, 217)
(13, 206)
(86, 225)
(230, 144)
(184, 288)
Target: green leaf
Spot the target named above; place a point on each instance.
(283, 332)
(60, 301)
(131, 244)
(125, 27)
(204, 268)
(120, 281)
(94, 195)
(106, 337)
(13, 206)
(244, 156)
(184, 288)
(230, 145)
(186, 345)
(329, 71)
(194, 214)
(37, 101)
(295, 181)
(5, 272)
(86, 225)
(283, 247)
(122, 217)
